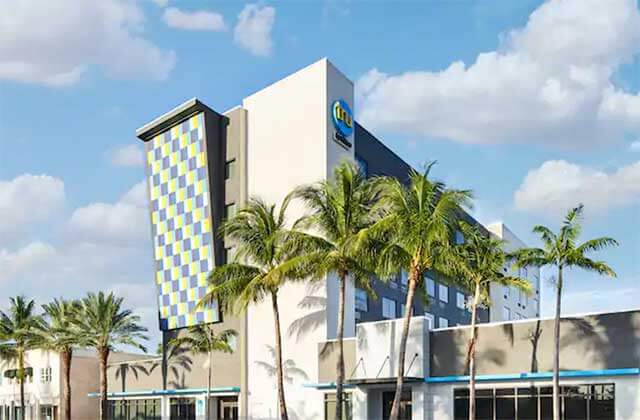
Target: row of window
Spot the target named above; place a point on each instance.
(579, 402)
(47, 412)
(143, 409)
(11, 375)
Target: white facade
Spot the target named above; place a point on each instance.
(43, 388)
(289, 142)
(508, 303)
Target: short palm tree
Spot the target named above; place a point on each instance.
(201, 339)
(20, 325)
(416, 229)
(476, 264)
(60, 334)
(341, 208)
(563, 251)
(261, 266)
(105, 325)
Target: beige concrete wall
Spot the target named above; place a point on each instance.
(328, 358)
(85, 375)
(587, 343)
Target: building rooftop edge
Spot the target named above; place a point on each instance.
(164, 121)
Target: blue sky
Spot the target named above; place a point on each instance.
(533, 106)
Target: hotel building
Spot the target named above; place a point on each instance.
(203, 166)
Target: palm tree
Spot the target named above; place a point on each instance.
(563, 251)
(262, 265)
(178, 362)
(201, 339)
(105, 325)
(60, 334)
(418, 223)
(341, 209)
(475, 265)
(20, 326)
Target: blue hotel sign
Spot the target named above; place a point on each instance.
(342, 121)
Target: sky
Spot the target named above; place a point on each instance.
(534, 106)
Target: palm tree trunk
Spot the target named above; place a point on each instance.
(340, 364)
(103, 354)
(472, 353)
(279, 373)
(66, 357)
(395, 408)
(556, 354)
(21, 377)
(207, 405)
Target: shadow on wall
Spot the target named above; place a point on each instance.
(178, 365)
(124, 369)
(289, 368)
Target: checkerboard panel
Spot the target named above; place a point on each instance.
(181, 222)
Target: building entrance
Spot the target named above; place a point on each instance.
(405, 405)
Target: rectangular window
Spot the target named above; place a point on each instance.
(431, 320)
(443, 293)
(460, 300)
(402, 309)
(443, 322)
(388, 308)
(330, 402)
(404, 278)
(506, 314)
(431, 287)
(362, 300)
(45, 375)
(459, 237)
(229, 211)
(229, 168)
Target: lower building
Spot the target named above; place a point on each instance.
(600, 374)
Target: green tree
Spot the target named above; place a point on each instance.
(341, 208)
(105, 325)
(201, 339)
(20, 325)
(418, 223)
(475, 265)
(563, 251)
(261, 266)
(60, 333)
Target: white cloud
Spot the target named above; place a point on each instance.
(161, 3)
(635, 146)
(129, 155)
(548, 82)
(35, 47)
(124, 222)
(558, 185)
(27, 200)
(200, 20)
(253, 30)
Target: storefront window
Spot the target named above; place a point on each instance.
(330, 405)
(578, 402)
(142, 409)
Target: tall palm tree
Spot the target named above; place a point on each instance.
(476, 264)
(201, 339)
(563, 251)
(418, 223)
(341, 208)
(19, 325)
(261, 266)
(105, 325)
(60, 334)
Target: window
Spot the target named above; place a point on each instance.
(443, 293)
(460, 300)
(404, 278)
(229, 211)
(443, 322)
(388, 308)
(506, 314)
(584, 402)
(459, 238)
(144, 409)
(46, 412)
(363, 165)
(402, 310)
(45, 375)
(431, 287)
(330, 401)
(431, 320)
(229, 168)
(362, 302)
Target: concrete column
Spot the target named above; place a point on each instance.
(418, 402)
(165, 408)
(201, 407)
(360, 403)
